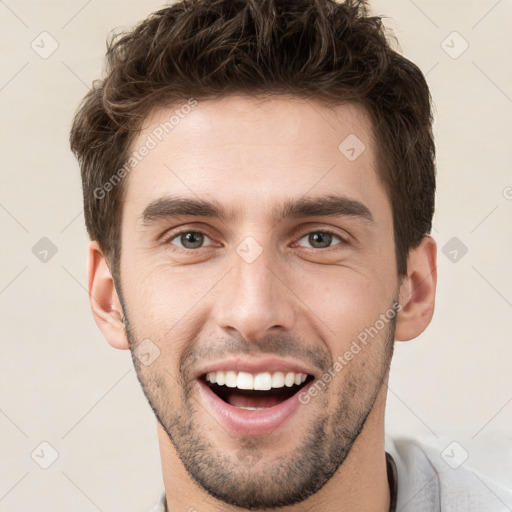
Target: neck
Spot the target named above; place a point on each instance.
(360, 484)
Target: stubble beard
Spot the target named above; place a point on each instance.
(250, 477)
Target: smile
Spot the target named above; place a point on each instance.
(253, 404)
(254, 392)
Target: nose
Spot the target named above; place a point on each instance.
(254, 298)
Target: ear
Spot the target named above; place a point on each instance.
(104, 301)
(417, 291)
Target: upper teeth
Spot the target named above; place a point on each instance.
(260, 381)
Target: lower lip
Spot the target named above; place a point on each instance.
(251, 423)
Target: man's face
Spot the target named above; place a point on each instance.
(260, 292)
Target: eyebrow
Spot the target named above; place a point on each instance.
(169, 207)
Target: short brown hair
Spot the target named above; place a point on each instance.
(316, 49)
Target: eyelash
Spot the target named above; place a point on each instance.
(343, 241)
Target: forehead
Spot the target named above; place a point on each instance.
(247, 152)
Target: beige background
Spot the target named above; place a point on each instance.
(62, 384)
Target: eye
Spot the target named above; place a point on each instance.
(189, 239)
(321, 239)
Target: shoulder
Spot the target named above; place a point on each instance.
(434, 478)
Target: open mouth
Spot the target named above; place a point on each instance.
(255, 392)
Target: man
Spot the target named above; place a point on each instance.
(259, 184)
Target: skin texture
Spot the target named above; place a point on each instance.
(298, 300)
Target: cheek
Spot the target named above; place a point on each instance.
(164, 293)
(345, 301)
(166, 304)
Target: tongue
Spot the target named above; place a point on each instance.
(238, 399)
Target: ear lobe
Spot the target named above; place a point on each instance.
(105, 304)
(417, 291)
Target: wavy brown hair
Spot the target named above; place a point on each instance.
(316, 49)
